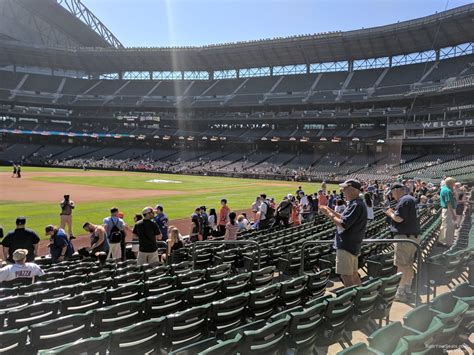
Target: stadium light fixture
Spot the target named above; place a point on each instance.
(181, 138)
(292, 139)
(204, 138)
(264, 139)
(380, 141)
(323, 139)
(355, 139)
(166, 138)
(304, 139)
(275, 139)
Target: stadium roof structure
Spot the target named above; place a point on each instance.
(444, 29)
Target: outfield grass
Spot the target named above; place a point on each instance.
(200, 190)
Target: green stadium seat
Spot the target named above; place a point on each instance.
(218, 272)
(37, 287)
(117, 316)
(236, 284)
(155, 272)
(192, 278)
(90, 346)
(305, 327)
(226, 347)
(388, 340)
(18, 282)
(7, 292)
(204, 293)
(196, 348)
(84, 302)
(181, 268)
(387, 292)
(317, 283)
(262, 277)
(465, 292)
(140, 338)
(15, 302)
(60, 331)
(32, 314)
(291, 291)
(160, 285)
(228, 313)
(450, 310)
(263, 302)
(186, 327)
(129, 292)
(13, 342)
(339, 309)
(166, 303)
(426, 328)
(130, 278)
(271, 339)
(57, 293)
(364, 303)
(51, 276)
(98, 285)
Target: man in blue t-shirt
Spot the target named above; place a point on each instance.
(405, 225)
(60, 247)
(350, 231)
(161, 219)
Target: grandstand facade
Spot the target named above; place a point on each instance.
(331, 104)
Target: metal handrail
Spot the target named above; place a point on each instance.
(231, 242)
(376, 241)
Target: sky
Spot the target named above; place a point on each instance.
(158, 23)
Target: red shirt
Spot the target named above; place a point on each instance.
(224, 215)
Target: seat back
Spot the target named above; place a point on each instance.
(204, 293)
(32, 314)
(266, 339)
(228, 313)
(386, 338)
(306, 325)
(166, 303)
(132, 277)
(98, 285)
(262, 302)
(263, 277)
(140, 338)
(317, 283)
(90, 346)
(192, 278)
(387, 292)
(160, 285)
(84, 302)
(129, 292)
(56, 294)
(21, 281)
(37, 287)
(13, 342)
(291, 292)
(117, 316)
(154, 273)
(60, 331)
(186, 327)
(236, 284)
(218, 272)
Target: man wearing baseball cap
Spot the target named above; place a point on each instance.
(20, 238)
(350, 231)
(20, 269)
(161, 219)
(147, 233)
(405, 225)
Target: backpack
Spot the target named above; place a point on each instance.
(115, 235)
(270, 211)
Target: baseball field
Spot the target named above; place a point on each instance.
(37, 194)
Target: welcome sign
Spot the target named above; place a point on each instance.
(459, 123)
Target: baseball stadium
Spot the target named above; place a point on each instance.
(309, 194)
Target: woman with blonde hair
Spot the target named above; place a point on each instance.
(174, 241)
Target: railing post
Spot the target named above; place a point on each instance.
(376, 241)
